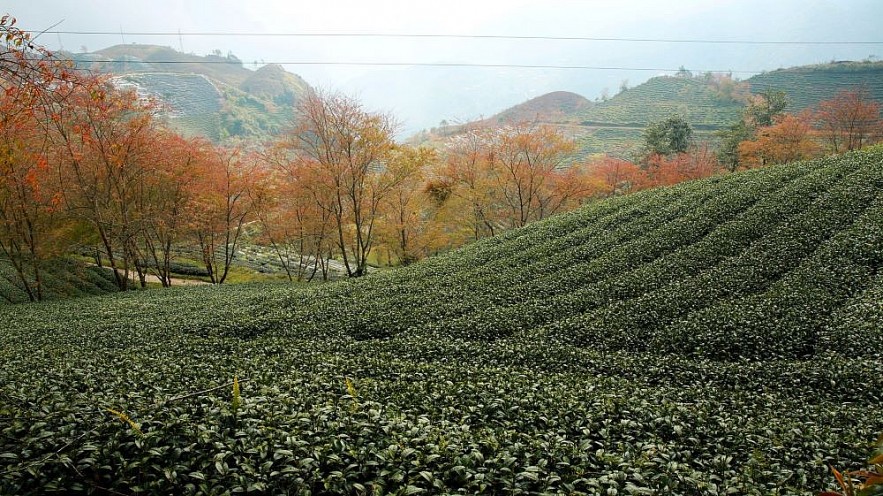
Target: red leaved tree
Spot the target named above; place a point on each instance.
(788, 140)
(30, 222)
(102, 155)
(850, 120)
(222, 205)
(168, 199)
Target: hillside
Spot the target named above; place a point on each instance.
(212, 96)
(660, 98)
(61, 279)
(721, 336)
(558, 106)
(274, 83)
(807, 86)
(615, 125)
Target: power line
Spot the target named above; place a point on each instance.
(468, 36)
(406, 64)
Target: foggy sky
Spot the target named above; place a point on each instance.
(421, 97)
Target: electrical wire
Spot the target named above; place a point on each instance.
(404, 64)
(466, 36)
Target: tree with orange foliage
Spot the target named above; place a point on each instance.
(761, 110)
(571, 187)
(222, 206)
(348, 148)
(462, 187)
(32, 84)
(696, 163)
(293, 222)
(29, 214)
(407, 226)
(850, 120)
(102, 143)
(169, 192)
(507, 177)
(617, 176)
(787, 140)
(25, 63)
(525, 159)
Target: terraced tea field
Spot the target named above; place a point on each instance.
(718, 337)
(661, 97)
(192, 101)
(615, 126)
(807, 86)
(61, 279)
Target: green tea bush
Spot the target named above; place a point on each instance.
(717, 337)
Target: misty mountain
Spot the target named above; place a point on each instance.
(214, 96)
(614, 125)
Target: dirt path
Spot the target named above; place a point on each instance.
(133, 276)
(174, 280)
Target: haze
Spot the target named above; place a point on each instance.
(420, 97)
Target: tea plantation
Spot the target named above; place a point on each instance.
(723, 336)
(62, 279)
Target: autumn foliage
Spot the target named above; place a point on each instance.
(848, 121)
(89, 168)
(787, 140)
(502, 178)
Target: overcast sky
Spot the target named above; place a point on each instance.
(423, 96)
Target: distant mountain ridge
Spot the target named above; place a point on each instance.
(214, 96)
(615, 125)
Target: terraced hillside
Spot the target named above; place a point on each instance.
(212, 96)
(192, 102)
(717, 337)
(807, 86)
(660, 98)
(614, 126)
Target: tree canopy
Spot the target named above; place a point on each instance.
(668, 137)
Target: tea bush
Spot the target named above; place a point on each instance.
(717, 337)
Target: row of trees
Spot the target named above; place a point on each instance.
(353, 192)
(766, 134)
(84, 165)
(94, 169)
(87, 167)
(338, 185)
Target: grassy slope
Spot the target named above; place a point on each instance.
(720, 335)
